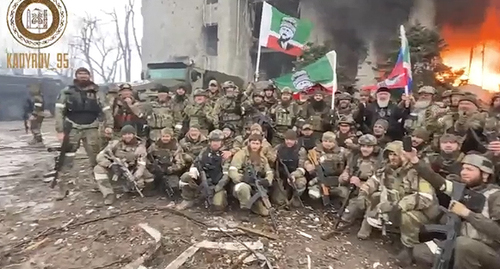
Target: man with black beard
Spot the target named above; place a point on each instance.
(448, 160)
(383, 108)
(317, 114)
(495, 106)
(306, 139)
(178, 104)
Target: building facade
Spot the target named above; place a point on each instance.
(215, 34)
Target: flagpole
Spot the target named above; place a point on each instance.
(403, 38)
(332, 58)
(257, 64)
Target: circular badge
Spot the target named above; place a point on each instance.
(37, 24)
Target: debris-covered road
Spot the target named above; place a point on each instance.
(79, 232)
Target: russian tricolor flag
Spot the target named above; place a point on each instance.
(400, 76)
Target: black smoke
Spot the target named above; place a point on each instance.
(462, 14)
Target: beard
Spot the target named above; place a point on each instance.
(255, 157)
(383, 103)
(179, 98)
(83, 83)
(421, 104)
(318, 105)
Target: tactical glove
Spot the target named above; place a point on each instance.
(115, 168)
(264, 183)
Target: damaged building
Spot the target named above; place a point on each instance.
(223, 35)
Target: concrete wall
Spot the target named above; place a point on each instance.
(174, 28)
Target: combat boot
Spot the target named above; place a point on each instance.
(109, 199)
(245, 215)
(185, 204)
(365, 230)
(260, 209)
(63, 191)
(405, 258)
(295, 201)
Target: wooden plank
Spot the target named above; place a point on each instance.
(181, 259)
(257, 232)
(234, 246)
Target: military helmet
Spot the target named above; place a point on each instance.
(394, 146)
(229, 84)
(199, 92)
(446, 94)
(367, 140)
(427, 89)
(481, 162)
(457, 92)
(344, 96)
(229, 126)
(216, 135)
(125, 86)
(259, 93)
(346, 120)
(287, 90)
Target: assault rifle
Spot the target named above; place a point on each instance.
(205, 189)
(325, 190)
(291, 181)
(261, 194)
(159, 174)
(124, 171)
(63, 149)
(451, 230)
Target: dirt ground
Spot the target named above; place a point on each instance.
(79, 232)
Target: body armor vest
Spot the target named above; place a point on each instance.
(161, 117)
(229, 111)
(284, 116)
(308, 142)
(211, 162)
(82, 106)
(289, 157)
(126, 152)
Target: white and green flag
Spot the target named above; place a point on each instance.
(283, 33)
(322, 72)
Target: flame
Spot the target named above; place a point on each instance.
(482, 46)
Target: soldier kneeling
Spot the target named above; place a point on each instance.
(250, 158)
(208, 173)
(122, 157)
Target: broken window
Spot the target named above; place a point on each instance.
(211, 33)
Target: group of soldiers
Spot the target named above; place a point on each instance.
(223, 141)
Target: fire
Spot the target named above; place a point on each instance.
(477, 48)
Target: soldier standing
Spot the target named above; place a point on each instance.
(210, 160)
(317, 114)
(161, 115)
(306, 139)
(250, 157)
(34, 113)
(448, 160)
(126, 110)
(254, 108)
(214, 92)
(284, 114)
(476, 245)
(346, 133)
(80, 105)
(178, 105)
(200, 113)
(269, 96)
(111, 95)
(228, 108)
(379, 130)
(423, 112)
(129, 149)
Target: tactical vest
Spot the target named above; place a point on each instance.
(285, 116)
(366, 168)
(194, 148)
(161, 117)
(307, 142)
(163, 156)
(229, 111)
(471, 232)
(197, 116)
(416, 119)
(82, 107)
(212, 165)
(289, 157)
(334, 165)
(124, 117)
(126, 152)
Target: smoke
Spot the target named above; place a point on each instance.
(462, 14)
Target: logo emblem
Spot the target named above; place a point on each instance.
(37, 24)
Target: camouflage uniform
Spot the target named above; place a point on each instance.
(192, 147)
(360, 166)
(34, 113)
(352, 134)
(178, 104)
(333, 162)
(447, 163)
(80, 106)
(111, 96)
(345, 106)
(317, 114)
(125, 114)
(284, 114)
(254, 108)
(169, 157)
(425, 147)
(424, 117)
(399, 193)
(133, 153)
(241, 142)
(227, 109)
(458, 123)
(476, 246)
(242, 188)
(159, 117)
(201, 114)
(216, 171)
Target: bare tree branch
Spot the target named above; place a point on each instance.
(124, 39)
(138, 47)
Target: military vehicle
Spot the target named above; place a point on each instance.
(172, 74)
(14, 91)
